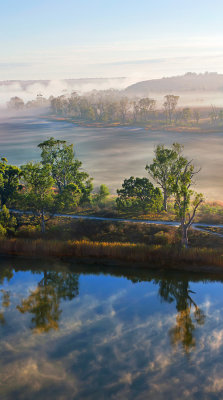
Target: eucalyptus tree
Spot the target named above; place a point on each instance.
(166, 163)
(65, 168)
(186, 200)
(37, 194)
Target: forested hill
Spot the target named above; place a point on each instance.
(209, 81)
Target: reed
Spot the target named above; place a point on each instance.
(161, 256)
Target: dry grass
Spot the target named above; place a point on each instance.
(144, 255)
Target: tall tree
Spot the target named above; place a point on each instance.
(65, 168)
(187, 201)
(166, 163)
(37, 194)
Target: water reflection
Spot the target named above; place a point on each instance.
(188, 312)
(44, 301)
(119, 334)
(5, 273)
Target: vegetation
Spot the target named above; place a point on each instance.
(57, 184)
(115, 107)
(139, 193)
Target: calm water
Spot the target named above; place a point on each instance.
(112, 154)
(71, 332)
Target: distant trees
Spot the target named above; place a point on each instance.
(103, 192)
(16, 103)
(169, 105)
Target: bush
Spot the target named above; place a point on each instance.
(28, 231)
(3, 231)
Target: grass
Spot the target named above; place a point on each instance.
(144, 255)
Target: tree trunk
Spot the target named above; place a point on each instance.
(184, 238)
(165, 201)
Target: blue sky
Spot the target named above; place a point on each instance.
(52, 39)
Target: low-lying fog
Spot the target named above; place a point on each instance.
(112, 154)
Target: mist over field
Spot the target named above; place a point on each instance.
(195, 90)
(111, 154)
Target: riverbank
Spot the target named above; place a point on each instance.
(154, 256)
(203, 128)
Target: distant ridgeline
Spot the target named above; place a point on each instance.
(209, 81)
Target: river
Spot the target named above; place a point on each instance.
(78, 332)
(112, 154)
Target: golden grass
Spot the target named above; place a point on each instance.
(145, 255)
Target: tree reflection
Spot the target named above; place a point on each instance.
(5, 273)
(189, 314)
(44, 302)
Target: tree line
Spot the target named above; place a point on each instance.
(113, 106)
(59, 184)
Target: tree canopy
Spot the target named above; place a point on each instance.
(139, 193)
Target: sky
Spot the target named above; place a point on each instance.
(54, 39)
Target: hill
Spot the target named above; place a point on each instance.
(207, 82)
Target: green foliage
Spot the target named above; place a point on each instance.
(38, 195)
(102, 194)
(9, 180)
(3, 231)
(6, 219)
(65, 168)
(165, 166)
(68, 198)
(139, 194)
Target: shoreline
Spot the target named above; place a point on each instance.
(156, 257)
(92, 124)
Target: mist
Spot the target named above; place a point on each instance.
(110, 155)
(28, 90)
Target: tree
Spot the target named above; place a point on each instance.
(186, 114)
(37, 194)
(169, 105)
(124, 106)
(102, 193)
(139, 193)
(186, 200)
(65, 168)
(15, 103)
(196, 115)
(166, 164)
(68, 198)
(213, 114)
(146, 106)
(9, 180)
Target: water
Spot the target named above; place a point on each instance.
(74, 332)
(112, 154)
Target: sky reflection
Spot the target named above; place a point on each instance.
(84, 336)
